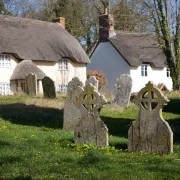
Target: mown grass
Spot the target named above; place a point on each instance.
(34, 146)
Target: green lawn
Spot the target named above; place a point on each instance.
(34, 146)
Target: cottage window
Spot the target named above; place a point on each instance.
(62, 88)
(63, 64)
(5, 60)
(5, 89)
(144, 70)
(168, 72)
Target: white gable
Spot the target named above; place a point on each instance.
(107, 60)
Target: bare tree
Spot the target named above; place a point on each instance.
(3, 9)
(165, 17)
(19, 7)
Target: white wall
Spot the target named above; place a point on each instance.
(78, 70)
(62, 77)
(107, 60)
(6, 73)
(157, 75)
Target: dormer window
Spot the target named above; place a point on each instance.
(144, 70)
(63, 64)
(5, 60)
(168, 72)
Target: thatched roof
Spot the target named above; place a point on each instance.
(38, 40)
(138, 48)
(25, 67)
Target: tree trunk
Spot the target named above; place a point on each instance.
(88, 40)
(175, 80)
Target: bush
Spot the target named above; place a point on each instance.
(100, 76)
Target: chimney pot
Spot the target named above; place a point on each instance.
(106, 11)
(106, 27)
(61, 21)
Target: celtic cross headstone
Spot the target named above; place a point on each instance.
(71, 112)
(90, 129)
(150, 132)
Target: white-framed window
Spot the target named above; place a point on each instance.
(5, 60)
(63, 64)
(167, 72)
(5, 89)
(62, 88)
(144, 72)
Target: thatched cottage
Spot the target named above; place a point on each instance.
(43, 48)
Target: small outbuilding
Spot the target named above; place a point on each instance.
(19, 75)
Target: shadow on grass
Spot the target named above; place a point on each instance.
(21, 178)
(32, 115)
(117, 126)
(173, 106)
(119, 145)
(9, 159)
(175, 126)
(4, 143)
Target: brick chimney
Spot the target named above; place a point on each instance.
(106, 26)
(61, 21)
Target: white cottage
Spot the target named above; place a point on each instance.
(43, 48)
(136, 54)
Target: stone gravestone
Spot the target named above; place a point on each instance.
(90, 129)
(93, 81)
(48, 88)
(71, 112)
(150, 132)
(122, 90)
(31, 84)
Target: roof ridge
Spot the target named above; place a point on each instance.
(128, 32)
(28, 21)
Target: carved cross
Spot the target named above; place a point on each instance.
(150, 97)
(90, 98)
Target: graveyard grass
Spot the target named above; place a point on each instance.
(34, 146)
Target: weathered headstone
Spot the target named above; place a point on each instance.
(90, 129)
(93, 81)
(71, 112)
(122, 91)
(48, 88)
(31, 82)
(150, 132)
